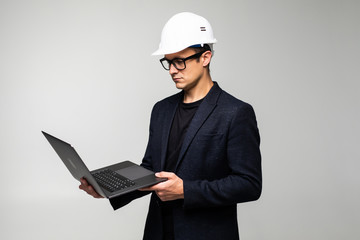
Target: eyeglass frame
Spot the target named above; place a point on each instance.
(171, 62)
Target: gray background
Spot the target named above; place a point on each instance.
(82, 71)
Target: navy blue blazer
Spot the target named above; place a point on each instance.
(219, 163)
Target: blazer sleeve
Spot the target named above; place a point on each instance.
(244, 180)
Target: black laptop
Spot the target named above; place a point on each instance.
(110, 181)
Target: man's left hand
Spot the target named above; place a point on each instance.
(169, 190)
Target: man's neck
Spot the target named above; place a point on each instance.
(199, 91)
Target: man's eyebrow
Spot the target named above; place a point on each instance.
(177, 57)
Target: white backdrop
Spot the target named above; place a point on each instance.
(82, 71)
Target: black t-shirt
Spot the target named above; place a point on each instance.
(182, 119)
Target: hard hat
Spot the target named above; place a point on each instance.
(184, 30)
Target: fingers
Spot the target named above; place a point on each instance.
(171, 189)
(155, 187)
(85, 186)
(159, 186)
(168, 175)
(84, 183)
(147, 189)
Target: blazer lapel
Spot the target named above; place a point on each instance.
(168, 119)
(205, 109)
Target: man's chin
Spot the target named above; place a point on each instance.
(179, 86)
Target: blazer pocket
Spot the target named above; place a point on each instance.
(210, 137)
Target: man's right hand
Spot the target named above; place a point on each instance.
(88, 188)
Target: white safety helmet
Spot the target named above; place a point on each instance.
(184, 30)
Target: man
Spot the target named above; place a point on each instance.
(203, 140)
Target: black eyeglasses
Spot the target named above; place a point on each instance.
(179, 63)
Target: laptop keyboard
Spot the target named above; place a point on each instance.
(112, 181)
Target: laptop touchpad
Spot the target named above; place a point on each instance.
(134, 172)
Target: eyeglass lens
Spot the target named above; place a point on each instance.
(179, 64)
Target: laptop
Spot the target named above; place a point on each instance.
(110, 181)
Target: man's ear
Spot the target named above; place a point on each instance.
(207, 58)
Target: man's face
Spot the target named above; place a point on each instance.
(187, 78)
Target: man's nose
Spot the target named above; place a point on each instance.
(172, 69)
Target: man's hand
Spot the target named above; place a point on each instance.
(88, 188)
(171, 189)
